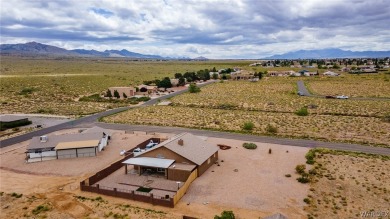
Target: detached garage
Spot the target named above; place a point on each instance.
(85, 144)
(77, 149)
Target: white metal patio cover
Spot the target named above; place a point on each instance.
(150, 162)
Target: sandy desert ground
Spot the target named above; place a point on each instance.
(258, 188)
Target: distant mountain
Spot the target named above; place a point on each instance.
(201, 58)
(34, 48)
(125, 53)
(330, 53)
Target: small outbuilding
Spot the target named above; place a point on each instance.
(86, 144)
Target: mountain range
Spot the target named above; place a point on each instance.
(34, 48)
(330, 53)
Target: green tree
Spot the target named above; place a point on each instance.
(116, 94)
(124, 95)
(193, 88)
(165, 83)
(108, 93)
(178, 75)
(215, 76)
(182, 81)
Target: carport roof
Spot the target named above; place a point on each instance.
(150, 162)
(77, 144)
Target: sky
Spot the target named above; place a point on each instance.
(191, 28)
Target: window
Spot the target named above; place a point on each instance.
(160, 170)
(208, 161)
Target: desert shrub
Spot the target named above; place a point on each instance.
(287, 175)
(303, 179)
(310, 157)
(248, 126)
(307, 200)
(249, 145)
(270, 151)
(225, 215)
(193, 88)
(27, 90)
(16, 195)
(271, 129)
(300, 168)
(40, 208)
(302, 112)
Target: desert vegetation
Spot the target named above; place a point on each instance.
(365, 85)
(270, 107)
(53, 86)
(348, 185)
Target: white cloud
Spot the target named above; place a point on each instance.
(250, 28)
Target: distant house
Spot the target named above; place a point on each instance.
(177, 157)
(85, 144)
(281, 73)
(174, 81)
(330, 73)
(123, 91)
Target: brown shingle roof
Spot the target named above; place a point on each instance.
(193, 148)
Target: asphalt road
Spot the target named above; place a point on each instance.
(303, 90)
(89, 121)
(254, 138)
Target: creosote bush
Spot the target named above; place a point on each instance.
(249, 145)
(248, 126)
(300, 168)
(271, 129)
(302, 112)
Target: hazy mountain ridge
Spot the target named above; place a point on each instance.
(330, 53)
(34, 48)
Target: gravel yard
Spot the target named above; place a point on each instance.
(13, 157)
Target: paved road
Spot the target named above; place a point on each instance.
(91, 120)
(303, 90)
(255, 138)
(85, 120)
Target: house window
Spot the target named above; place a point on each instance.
(160, 170)
(208, 161)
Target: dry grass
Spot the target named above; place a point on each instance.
(56, 84)
(272, 101)
(327, 127)
(366, 85)
(349, 185)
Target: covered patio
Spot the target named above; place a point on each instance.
(149, 165)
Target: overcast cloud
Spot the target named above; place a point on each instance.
(214, 28)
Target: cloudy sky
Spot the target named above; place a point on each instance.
(210, 28)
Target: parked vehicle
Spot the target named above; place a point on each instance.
(342, 97)
(330, 97)
(300, 93)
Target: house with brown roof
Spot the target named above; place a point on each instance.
(124, 92)
(177, 157)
